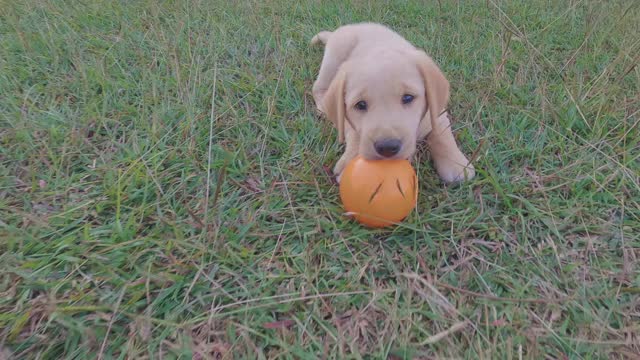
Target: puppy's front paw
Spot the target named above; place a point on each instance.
(337, 170)
(451, 171)
(341, 165)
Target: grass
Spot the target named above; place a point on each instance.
(141, 219)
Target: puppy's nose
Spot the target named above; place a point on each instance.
(387, 147)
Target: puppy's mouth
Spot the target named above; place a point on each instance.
(373, 155)
(388, 147)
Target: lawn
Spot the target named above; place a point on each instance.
(164, 190)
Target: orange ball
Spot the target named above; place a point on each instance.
(379, 193)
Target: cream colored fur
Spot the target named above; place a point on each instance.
(370, 63)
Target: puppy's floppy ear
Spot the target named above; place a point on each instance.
(436, 87)
(333, 102)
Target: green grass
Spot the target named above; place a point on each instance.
(139, 220)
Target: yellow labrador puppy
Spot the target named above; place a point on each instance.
(384, 95)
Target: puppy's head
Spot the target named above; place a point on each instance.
(384, 98)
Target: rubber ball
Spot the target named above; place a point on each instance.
(379, 193)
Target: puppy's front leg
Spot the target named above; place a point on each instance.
(450, 162)
(351, 151)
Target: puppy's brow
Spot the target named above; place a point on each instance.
(410, 89)
(360, 95)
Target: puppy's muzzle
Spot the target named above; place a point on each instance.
(388, 147)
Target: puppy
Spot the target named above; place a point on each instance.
(384, 95)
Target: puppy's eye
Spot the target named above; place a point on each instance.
(406, 98)
(361, 105)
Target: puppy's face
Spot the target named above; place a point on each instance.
(384, 101)
(384, 97)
